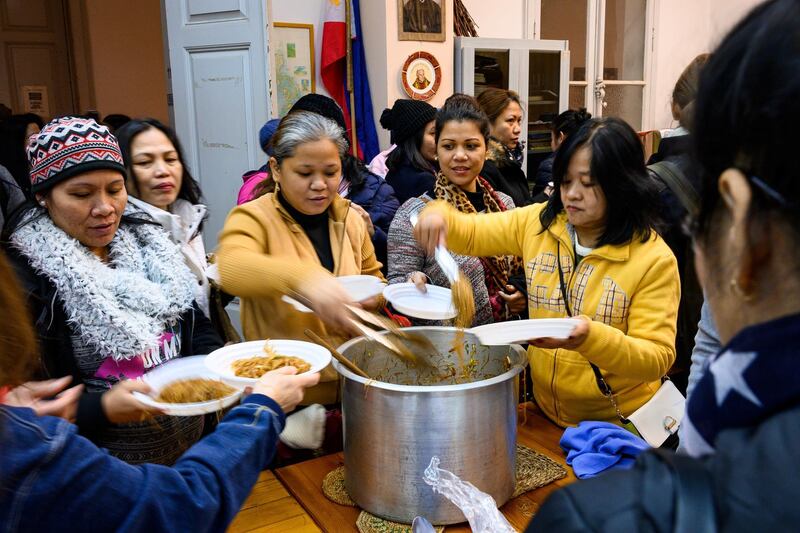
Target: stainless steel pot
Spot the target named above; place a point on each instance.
(392, 427)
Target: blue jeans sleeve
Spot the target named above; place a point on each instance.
(203, 491)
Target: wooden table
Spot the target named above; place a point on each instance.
(271, 508)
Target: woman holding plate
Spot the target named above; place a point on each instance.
(295, 240)
(109, 293)
(462, 133)
(590, 252)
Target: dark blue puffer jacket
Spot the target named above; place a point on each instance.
(378, 199)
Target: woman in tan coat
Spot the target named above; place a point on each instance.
(295, 240)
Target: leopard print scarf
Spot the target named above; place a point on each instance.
(500, 267)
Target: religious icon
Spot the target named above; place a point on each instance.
(421, 76)
(421, 20)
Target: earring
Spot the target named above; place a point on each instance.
(738, 291)
(42, 203)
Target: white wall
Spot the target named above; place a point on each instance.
(498, 18)
(686, 28)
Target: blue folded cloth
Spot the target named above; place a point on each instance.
(595, 447)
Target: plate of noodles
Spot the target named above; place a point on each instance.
(240, 365)
(186, 387)
(435, 304)
(359, 287)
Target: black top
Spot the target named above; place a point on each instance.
(316, 228)
(476, 199)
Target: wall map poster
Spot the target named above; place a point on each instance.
(293, 53)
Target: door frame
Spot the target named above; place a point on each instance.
(595, 21)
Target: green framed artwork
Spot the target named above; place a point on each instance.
(293, 57)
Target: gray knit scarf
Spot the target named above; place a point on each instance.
(121, 308)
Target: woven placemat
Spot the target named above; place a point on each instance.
(334, 489)
(534, 470)
(367, 523)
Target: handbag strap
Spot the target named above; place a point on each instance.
(602, 384)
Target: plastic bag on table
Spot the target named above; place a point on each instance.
(479, 508)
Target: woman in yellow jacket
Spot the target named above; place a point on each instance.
(295, 240)
(620, 277)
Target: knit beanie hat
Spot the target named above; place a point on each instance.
(406, 118)
(69, 146)
(321, 105)
(265, 134)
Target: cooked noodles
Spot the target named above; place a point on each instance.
(194, 390)
(463, 301)
(255, 367)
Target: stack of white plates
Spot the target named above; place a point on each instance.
(434, 304)
(521, 331)
(359, 287)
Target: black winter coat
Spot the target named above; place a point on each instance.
(55, 345)
(750, 484)
(410, 182)
(505, 175)
(377, 197)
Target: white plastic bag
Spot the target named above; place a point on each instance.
(479, 508)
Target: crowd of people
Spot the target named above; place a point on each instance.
(104, 276)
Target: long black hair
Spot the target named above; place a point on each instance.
(190, 189)
(13, 154)
(746, 116)
(409, 151)
(617, 165)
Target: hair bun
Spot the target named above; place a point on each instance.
(582, 115)
(386, 119)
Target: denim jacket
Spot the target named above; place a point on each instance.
(52, 479)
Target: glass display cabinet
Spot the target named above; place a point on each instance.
(536, 69)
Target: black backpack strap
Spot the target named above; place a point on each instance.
(671, 175)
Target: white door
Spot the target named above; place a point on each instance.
(610, 43)
(220, 90)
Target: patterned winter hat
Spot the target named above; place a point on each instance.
(69, 146)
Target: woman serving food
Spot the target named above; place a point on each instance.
(591, 252)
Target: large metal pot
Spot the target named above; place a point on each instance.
(393, 427)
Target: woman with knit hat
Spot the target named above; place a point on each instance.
(462, 131)
(412, 164)
(110, 294)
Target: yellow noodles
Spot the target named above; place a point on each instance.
(194, 390)
(464, 301)
(257, 366)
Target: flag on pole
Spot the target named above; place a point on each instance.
(333, 58)
(333, 70)
(365, 120)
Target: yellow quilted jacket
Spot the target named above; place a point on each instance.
(263, 254)
(629, 292)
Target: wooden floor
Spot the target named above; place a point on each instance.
(271, 509)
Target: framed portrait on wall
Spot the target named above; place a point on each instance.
(421, 76)
(293, 57)
(421, 20)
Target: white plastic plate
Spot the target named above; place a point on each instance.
(219, 361)
(435, 304)
(359, 287)
(520, 331)
(178, 369)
